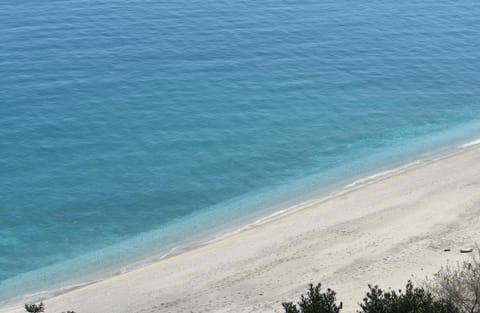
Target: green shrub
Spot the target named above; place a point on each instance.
(38, 308)
(35, 308)
(315, 302)
(413, 300)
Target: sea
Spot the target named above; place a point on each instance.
(133, 130)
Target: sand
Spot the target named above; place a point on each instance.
(384, 232)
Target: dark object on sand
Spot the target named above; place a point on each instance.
(466, 250)
(35, 308)
(446, 250)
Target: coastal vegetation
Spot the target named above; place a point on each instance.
(315, 301)
(460, 283)
(38, 308)
(35, 308)
(453, 289)
(412, 300)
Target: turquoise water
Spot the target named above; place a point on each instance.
(128, 127)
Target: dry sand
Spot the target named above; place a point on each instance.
(383, 232)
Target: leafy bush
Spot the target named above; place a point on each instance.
(38, 308)
(35, 308)
(315, 302)
(460, 284)
(413, 300)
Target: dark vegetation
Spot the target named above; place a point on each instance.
(38, 308)
(454, 289)
(35, 308)
(315, 302)
(412, 300)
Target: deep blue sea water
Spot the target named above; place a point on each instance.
(127, 127)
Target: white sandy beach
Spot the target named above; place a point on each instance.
(383, 232)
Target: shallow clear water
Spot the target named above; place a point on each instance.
(159, 121)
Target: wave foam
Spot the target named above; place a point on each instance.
(470, 144)
(380, 175)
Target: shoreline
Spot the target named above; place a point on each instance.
(225, 233)
(360, 183)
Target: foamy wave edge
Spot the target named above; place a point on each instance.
(470, 144)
